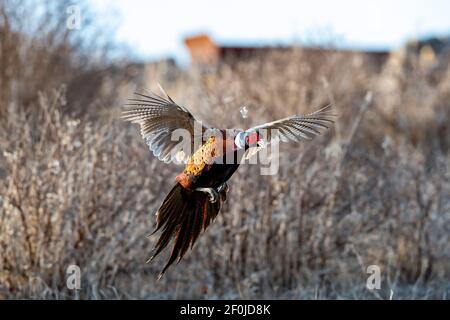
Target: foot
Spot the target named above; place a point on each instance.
(212, 193)
(223, 190)
(223, 187)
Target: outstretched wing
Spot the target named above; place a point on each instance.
(295, 128)
(159, 117)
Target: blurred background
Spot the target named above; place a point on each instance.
(78, 186)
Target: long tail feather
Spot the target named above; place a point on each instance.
(183, 215)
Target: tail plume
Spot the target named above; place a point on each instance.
(182, 216)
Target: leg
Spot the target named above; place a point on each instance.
(223, 190)
(223, 187)
(212, 193)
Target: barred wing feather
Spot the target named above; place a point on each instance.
(295, 128)
(158, 118)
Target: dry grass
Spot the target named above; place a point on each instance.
(81, 187)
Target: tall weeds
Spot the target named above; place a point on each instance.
(78, 186)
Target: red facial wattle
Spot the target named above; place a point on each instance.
(253, 138)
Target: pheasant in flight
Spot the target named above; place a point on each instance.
(196, 199)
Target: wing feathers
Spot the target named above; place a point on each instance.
(159, 117)
(296, 127)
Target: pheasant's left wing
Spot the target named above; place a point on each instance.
(295, 128)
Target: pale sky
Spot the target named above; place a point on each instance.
(155, 29)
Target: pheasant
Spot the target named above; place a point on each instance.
(200, 190)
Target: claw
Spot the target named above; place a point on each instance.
(223, 187)
(223, 190)
(212, 193)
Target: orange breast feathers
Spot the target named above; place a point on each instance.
(200, 161)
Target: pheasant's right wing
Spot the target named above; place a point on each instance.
(160, 118)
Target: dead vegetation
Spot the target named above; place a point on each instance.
(78, 186)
